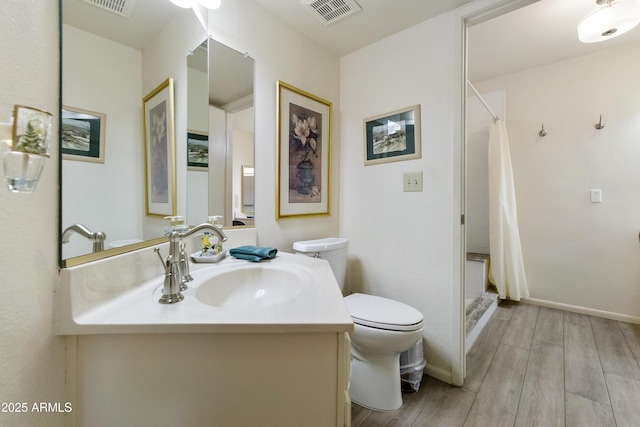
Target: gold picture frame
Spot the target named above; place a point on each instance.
(159, 150)
(303, 153)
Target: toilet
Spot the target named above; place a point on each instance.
(383, 328)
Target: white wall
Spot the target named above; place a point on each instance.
(90, 84)
(477, 168)
(280, 53)
(32, 358)
(405, 246)
(575, 252)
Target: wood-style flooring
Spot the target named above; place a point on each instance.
(533, 366)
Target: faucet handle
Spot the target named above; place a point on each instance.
(166, 264)
(171, 288)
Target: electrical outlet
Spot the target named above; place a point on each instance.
(413, 181)
(596, 196)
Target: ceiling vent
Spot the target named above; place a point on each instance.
(331, 11)
(120, 7)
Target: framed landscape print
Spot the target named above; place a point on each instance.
(159, 150)
(197, 151)
(304, 152)
(83, 135)
(393, 136)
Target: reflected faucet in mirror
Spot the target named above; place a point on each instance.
(96, 237)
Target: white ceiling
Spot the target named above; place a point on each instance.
(377, 20)
(148, 17)
(538, 34)
(541, 33)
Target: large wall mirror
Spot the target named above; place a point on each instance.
(229, 114)
(110, 61)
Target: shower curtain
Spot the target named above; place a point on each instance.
(506, 270)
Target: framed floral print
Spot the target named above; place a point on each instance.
(393, 136)
(159, 150)
(304, 152)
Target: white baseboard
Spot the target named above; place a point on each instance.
(438, 373)
(582, 310)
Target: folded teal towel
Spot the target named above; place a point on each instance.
(253, 253)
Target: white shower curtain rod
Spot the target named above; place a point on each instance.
(495, 117)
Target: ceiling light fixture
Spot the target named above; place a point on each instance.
(615, 18)
(209, 4)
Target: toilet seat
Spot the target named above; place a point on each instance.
(383, 313)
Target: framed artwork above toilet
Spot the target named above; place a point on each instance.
(304, 147)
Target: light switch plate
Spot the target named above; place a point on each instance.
(413, 181)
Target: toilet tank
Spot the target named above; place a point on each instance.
(333, 249)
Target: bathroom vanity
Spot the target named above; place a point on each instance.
(221, 361)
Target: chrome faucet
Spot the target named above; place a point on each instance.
(96, 237)
(176, 266)
(171, 289)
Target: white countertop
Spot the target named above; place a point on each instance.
(90, 303)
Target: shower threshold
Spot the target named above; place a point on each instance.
(478, 313)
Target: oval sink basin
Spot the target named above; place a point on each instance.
(251, 287)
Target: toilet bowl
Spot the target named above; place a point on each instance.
(383, 328)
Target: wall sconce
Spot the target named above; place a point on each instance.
(614, 19)
(24, 143)
(209, 4)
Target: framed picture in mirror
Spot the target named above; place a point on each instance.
(83, 135)
(304, 147)
(197, 151)
(159, 150)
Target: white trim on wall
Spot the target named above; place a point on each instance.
(582, 310)
(472, 13)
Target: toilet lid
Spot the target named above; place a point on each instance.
(383, 313)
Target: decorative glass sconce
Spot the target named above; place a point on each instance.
(25, 147)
